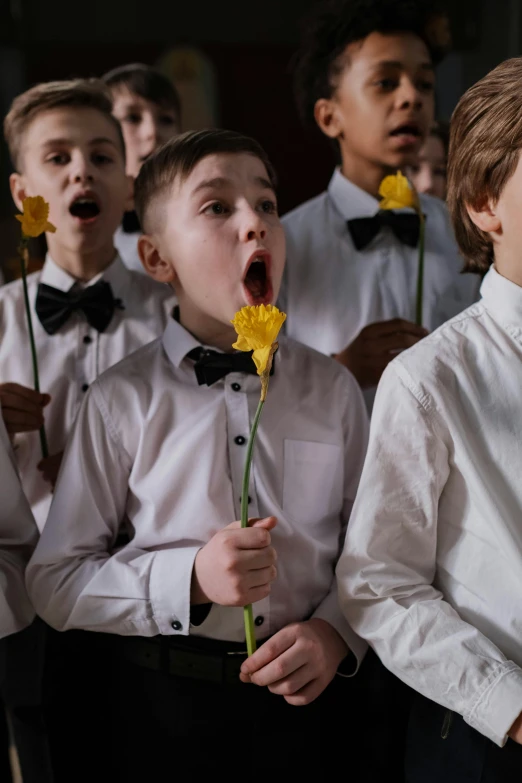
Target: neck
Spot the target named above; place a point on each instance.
(82, 265)
(367, 176)
(509, 268)
(205, 329)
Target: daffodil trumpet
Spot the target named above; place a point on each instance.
(257, 328)
(34, 222)
(396, 193)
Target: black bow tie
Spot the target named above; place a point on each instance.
(211, 366)
(404, 225)
(130, 223)
(97, 303)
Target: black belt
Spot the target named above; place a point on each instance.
(194, 657)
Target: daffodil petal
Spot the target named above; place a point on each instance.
(260, 357)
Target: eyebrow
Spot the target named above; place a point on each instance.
(219, 183)
(398, 64)
(92, 142)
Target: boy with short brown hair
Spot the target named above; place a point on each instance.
(161, 445)
(432, 567)
(88, 311)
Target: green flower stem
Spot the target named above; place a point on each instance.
(247, 610)
(420, 273)
(24, 255)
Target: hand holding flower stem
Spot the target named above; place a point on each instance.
(34, 222)
(257, 329)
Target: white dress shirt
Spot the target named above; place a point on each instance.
(126, 243)
(71, 359)
(153, 450)
(18, 534)
(331, 291)
(431, 573)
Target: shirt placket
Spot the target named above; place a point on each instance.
(238, 430)
(87, 342)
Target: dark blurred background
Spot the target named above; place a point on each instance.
(230, 61)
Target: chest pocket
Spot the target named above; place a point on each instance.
(312, 481)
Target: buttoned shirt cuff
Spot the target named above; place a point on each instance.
(170, 581)
(330, 611)
(499, 705)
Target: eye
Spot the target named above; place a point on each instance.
(217, 208)
(133, 118)
(387, 85)
(167, 119)
(99, 158)
(269, 207)
(59, 159)
(440, 172)
(425, 86)
(414, 169)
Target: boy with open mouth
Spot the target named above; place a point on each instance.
(88, 310)
(159, 447)
(365, 77)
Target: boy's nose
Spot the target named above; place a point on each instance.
(82, 170)
(410, 96)
(256, 234)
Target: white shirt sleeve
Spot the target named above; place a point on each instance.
(389, 566)
(18, 534)
(76, 578)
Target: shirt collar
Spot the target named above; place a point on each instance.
(116, 274)
(502, 298)
(351, 201)
(177, 342)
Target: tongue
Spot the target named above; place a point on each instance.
(255, 280)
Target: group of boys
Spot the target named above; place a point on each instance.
(138, 569)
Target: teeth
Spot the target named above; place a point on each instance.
(84, 201)
(258, 260)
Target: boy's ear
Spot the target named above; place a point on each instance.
(154, 264)
(327, 117)
(485, 217)
(18, 189)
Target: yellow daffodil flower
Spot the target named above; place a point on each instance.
(397, 193)
(257, 329)
(35, 217)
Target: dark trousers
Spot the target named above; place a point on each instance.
(174, 725)
(78, 696)
(463, 756)
(22, 695)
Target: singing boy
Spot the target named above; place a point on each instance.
(365, 77)
(159, 448)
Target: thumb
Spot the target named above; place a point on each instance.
(45, 399)
(268, 523)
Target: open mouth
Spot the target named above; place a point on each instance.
(408, 132)
(85, 208)
(257, 281)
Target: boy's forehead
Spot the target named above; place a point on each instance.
(405, 49)
(70, 125)
(222, 169)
